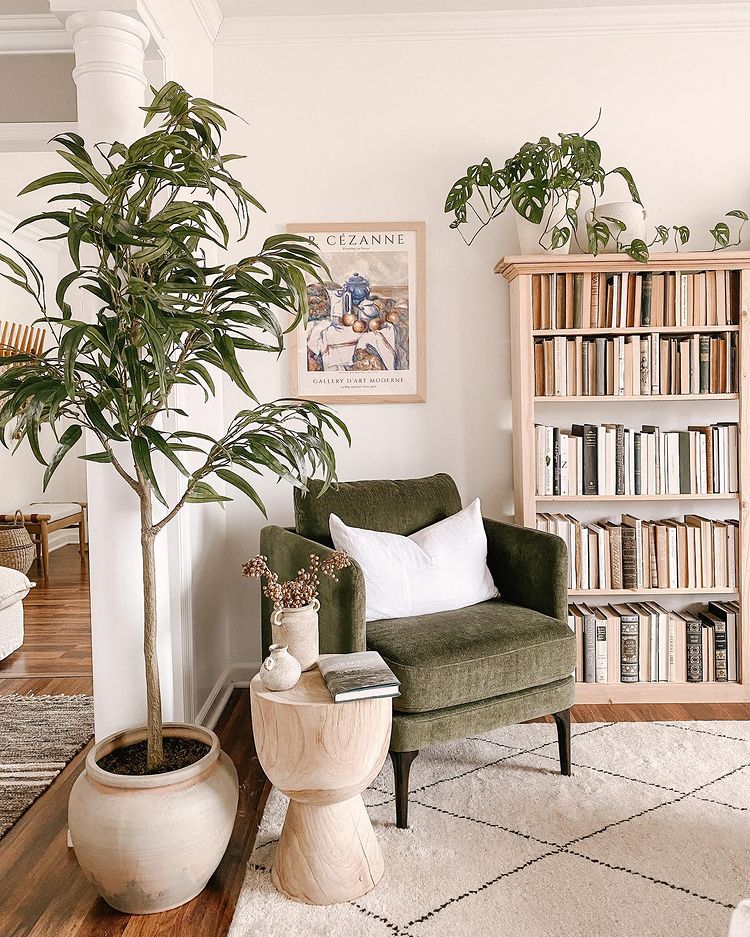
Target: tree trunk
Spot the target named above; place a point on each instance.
(155, 755)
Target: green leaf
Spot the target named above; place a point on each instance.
(638, 250)
(721, 233)
(102, 457)
(232, 478)
(68, 439)
(630, 182)
(54, 178)
(202, 492)
(737, 213)
(142, 458)
(159, 443)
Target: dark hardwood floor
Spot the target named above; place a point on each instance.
(42, 891)
(56, 653)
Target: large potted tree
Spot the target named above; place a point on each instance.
(152, 814)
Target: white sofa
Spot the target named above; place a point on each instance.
(14, 587)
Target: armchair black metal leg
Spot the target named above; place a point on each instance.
(401, 767)
(562, 720)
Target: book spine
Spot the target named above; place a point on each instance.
(556, 460)
(646, 299)
(586, 388)
(694, 636)
(601, 652)
(594, 310)
(590, 460)
(645, 367)
(629, 558)
(629, 648)
(720, 651)
(577, 300)
(589, 649)
(704, 358)
(601, 367)
(619, 459)
(637, 464)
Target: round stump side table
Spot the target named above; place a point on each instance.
(322, 755)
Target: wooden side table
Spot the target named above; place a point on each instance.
(322, 755)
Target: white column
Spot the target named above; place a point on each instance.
(111, 87)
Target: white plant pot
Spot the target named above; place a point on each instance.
(150, 843)
(529, 234)
(298, 629)
(631, 214)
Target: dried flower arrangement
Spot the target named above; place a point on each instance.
(296, 593)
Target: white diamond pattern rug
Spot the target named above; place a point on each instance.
(650, 837)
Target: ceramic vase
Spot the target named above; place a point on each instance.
(529, 234)
(631, 214)
(280, 670)
(151, 842)
(298, 629)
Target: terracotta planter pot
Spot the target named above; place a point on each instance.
(152, 842)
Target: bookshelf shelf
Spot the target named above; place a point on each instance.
(603, 593)
(645, 398)
(584, 499)
(639, 330)
(519, 272)
(709, 692)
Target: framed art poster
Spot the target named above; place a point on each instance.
(365, 336)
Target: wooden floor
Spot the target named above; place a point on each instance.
(56, 653)
(42, 891)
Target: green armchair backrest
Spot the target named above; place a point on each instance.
(397, 507)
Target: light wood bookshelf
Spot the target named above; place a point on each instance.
(529, 409)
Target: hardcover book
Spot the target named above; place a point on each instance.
(363, 675)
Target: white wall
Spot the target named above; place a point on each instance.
(347, 130)
(20, 474)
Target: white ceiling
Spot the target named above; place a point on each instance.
(323, 7)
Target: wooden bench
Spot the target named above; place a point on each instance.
(42, 518)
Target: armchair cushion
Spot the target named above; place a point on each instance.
(472, 654)
(441, 567)
(396, 507)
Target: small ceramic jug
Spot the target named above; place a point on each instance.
(298, 629)
(631, 214)
(280, 671)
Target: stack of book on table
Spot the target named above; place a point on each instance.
(634, 300)
(611, 459)
(635, 365)
(692, 553)
(643, 642)
(362, 675)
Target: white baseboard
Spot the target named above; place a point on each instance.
(232, 677)
(244, 671)
(61, 538)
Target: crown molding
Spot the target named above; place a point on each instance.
(209, 16)
(41, 32)
(507, 25)
(32, 233)
(32, 137)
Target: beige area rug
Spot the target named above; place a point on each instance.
(39, 735)
(649, 838)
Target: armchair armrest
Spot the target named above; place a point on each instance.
(530, 567)
(342, 604)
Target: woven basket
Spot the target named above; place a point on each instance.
(16, 546)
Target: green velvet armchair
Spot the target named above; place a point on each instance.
(462, 672)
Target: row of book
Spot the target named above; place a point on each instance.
(692, 553)
(632, 300)
(641, 642)
(610, 459)
(635, 365)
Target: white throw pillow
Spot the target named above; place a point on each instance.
(13, 586)
(437, 569)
